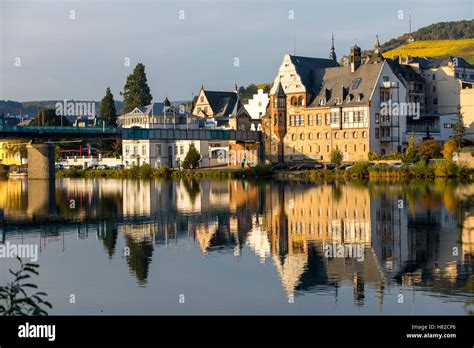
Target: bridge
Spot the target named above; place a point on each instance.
(41, 151)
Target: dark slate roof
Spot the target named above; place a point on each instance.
(443, 61)
(222, 103)
(339, 83)
(311, 70)
(406, 72)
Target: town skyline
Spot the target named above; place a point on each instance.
(252, 58)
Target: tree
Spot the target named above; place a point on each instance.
(192, 159)
(48, 117)
(449, 148)
(411, 153)
(429, 149)
(136, 92)
(459, 130)
(107, 109)
(336, 157)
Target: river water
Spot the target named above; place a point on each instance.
(110, 246)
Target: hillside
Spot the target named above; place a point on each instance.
(463, 48)
(438, 31)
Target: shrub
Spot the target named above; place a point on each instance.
(360, 169)
(446, 168)
(422, 170)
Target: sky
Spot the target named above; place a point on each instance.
(74, 50)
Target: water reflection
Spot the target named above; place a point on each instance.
(416, 236)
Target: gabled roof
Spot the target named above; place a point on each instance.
(340, 84)
(311, 70)
(444, 61)
(222, 103)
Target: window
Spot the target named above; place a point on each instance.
(377, 118)
(321, 102)
(354, 135)
(318, 136)
(135, 150)
(328, 119)
(144, 150)
(435, 101)
(302, 136)
(310, 136)
(336, 135)
(280, 120)
(181, 150)
(310, 120)
(158, 149)
(376, 133)
(293, 101)
(358, 116)
(434, 88)
(301, 101)
(433, 76)
(127, 150)
(346, 116)
(364, 134)
(356, 83)
(292, 121)
(334, 117)
(385, 78)
(328, 135)
(346, 135)
(318, 119)
(293, 137)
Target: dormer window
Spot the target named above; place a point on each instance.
(348, 99)
(322, 102)
(338, 101)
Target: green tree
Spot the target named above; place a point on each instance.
(136, 92)
(459, 130)
(429, 149)
(107, 109)
(192, 159)
(411, 153)
(449, 148)
(336, 157)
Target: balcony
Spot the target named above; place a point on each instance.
(422, 128)
(389, 84)
(389, 138)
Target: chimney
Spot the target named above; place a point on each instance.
(355, 57)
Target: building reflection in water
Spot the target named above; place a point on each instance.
(419, 234)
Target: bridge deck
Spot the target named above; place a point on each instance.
(35, 132)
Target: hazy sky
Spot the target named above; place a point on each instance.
(64, 58)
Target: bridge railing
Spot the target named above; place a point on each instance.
(191, 134)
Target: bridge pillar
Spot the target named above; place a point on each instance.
(41, 161)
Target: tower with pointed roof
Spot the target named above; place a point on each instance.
(332, 52)
(377, 44)
(279, 118)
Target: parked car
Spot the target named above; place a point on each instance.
(329, 166)
(310, 166)
(118, 166)
(102, 166)
(397, 165)
(296, 166)
(280, 166)
(91, 167)
(345, 166)
(58, 167)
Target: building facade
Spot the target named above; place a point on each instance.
(317, 106)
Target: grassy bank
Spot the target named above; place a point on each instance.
(361, 170)
(146, 172)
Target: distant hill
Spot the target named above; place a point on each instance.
(437, 48)
(438, 31)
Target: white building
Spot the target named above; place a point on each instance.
(159, 153)
(257, 106)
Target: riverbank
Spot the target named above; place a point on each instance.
(362, 170)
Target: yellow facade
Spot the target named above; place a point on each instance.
(9, 156)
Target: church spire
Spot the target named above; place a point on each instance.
(377, 44)
(332, 52)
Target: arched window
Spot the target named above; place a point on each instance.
(354, 135)
(300, 100)
(293, 101)
(252, 127)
